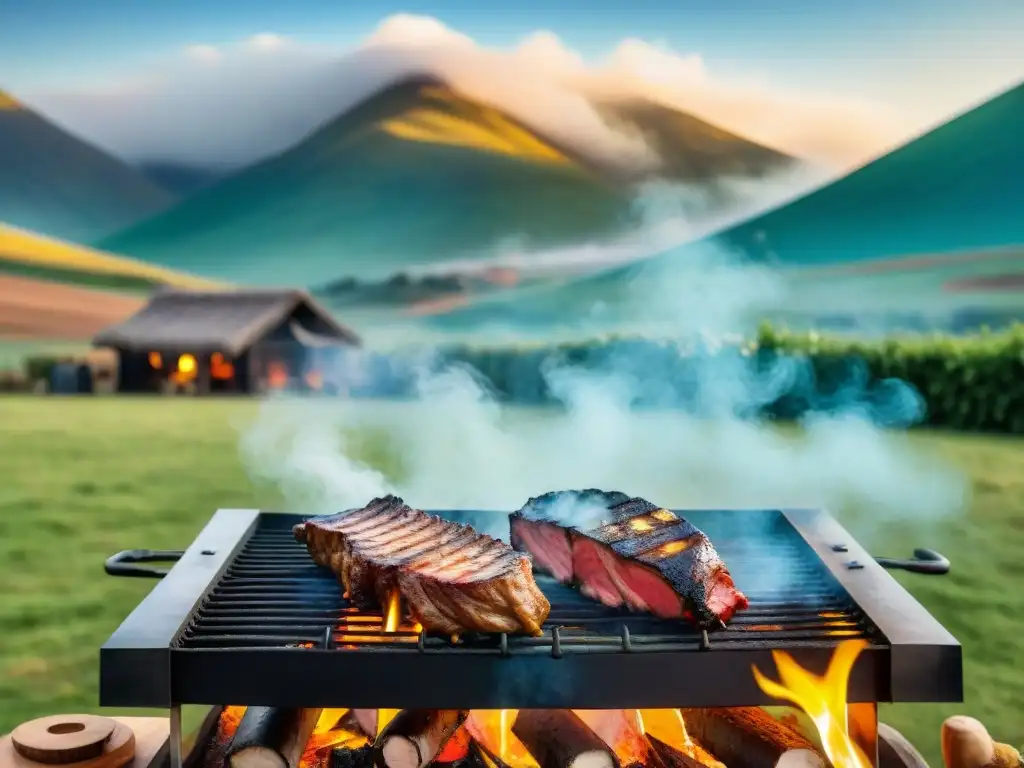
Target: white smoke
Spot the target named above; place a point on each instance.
(455, 446)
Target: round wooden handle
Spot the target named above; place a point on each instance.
(63, 739)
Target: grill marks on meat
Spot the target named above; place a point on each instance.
(642, 557)
(452, 578)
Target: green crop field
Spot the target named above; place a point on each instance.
(83, 478)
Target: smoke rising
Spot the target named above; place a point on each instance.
(638, 423)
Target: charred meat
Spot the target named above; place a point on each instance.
(638, 555)
(452, 578)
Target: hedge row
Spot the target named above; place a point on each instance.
(973, 383)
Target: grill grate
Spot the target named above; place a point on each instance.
(273, 596)
(223, 625)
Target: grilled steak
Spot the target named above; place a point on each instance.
(639, 556)
(452, 578)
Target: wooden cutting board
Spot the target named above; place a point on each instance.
(134, 742)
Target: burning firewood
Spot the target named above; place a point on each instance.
(416, 736)
(662, 755)
(967, 744)
(271, 737)
(746, 736)
(360, 757)
(620, 729)
(894, 751)
(558, 738)
(486, 757)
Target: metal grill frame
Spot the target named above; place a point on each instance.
(912, 657)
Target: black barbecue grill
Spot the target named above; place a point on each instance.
(245, 617)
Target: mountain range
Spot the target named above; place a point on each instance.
(57, 183)
(420, 173)
(930, 230)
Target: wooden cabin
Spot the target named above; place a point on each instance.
(244, 341)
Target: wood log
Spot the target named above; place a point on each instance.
(415, 737)
(558, 738)
(746, 736)
(966, 743)
(271, 737)
(490, 759)
(894, 751)
(663, 755)
(367, 719)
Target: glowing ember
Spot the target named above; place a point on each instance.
(155, 360)
(822, 698)
(326, 736)
(456, 748)
(640, 526)
(664, 515)
(673, 548)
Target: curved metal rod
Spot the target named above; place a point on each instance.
(924, 561)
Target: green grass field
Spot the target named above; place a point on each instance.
(82, 479)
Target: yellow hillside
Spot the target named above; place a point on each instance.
(18, 246)
(466, 124)
(8, 102)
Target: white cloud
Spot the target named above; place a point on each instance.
(266, 41)
(238, 102)
(202, 53)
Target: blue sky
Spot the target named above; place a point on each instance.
(928, 51)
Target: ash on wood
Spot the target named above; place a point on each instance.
(558, 738)
(345, 757)
(415, 737)
(746, 736)
(271, 737)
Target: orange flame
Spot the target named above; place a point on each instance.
(822, 698)
(493, 729)
(393, 614)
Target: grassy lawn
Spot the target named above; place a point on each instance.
(82, 479)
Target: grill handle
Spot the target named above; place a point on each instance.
(924, 561)
(124, 563)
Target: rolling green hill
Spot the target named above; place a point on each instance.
(55, 183)
(416, 174)
(936, 226)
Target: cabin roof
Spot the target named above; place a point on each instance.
(214, 321)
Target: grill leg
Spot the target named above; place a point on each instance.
(175, 746)
(862, 720)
